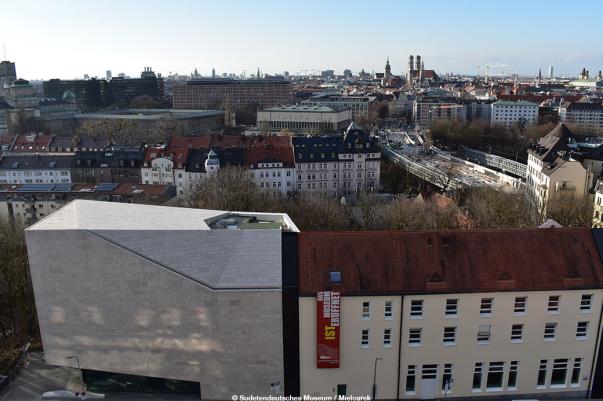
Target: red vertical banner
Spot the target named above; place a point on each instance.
(327, 329)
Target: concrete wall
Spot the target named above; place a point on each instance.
(120, 312)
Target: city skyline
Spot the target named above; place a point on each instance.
(184, 35)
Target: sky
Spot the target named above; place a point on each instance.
(70, 38)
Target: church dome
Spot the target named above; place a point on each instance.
(212, 159)
(69, 96)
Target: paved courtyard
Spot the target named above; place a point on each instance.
(37, 378)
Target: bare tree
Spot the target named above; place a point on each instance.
(570, 212)
(488, 208)
(123, 132)
(317, 213)
(231, 188)
(17, 310)
(144, 102)
(447, 177)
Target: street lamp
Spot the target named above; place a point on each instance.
(375, 378)
(77, 360)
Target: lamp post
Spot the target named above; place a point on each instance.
(77, 360)
(375, 378)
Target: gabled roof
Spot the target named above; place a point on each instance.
(108, 158)
(415, 262)
(551, 144)
(35, 162)
(583, 106)
(195, 162)
(32, 143)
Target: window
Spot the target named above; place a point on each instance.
(517, 333)
(512, 378)
(335, 277)
(388, 310)
(477, 376)
(550, 331)
(414, 336)
(581, 330)
(452, 307)
(410, 379)
(364, 342)
(342, 389)
(483, 333)
(429, 372)
(387, 338)
(416, 309)
(485, 308)
(575, 380)
(559, 372)
(366, 310)
(447, 378)
(495, 376)
(449, 335)
(586, 303)
(520, 304)
(553, 306)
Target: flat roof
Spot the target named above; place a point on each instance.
(151, 114)
(214, 248)
(96, 215)
(307, 108)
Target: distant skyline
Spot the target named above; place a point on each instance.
(67, 39)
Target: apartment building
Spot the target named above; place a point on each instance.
(201, 162)
(514, 113)
(461, 314)
(109, 165)
(27, 203)
(35, 169)
(428, 109)
(216, 93)
(269, 160)
(305, 118)
(554, 173)
(587, 116)
(362, 106)
(113, 287)
(272, 165)
(335, 165)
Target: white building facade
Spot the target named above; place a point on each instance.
(35, 169)
(305, 118)
(588, 116)
(337, 165)
(433, 342)
(508, 113)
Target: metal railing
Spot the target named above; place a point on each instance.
(433, 175)
(498, 162)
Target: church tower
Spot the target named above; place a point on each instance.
(411, 69)
(388, 70)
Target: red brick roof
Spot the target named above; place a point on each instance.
(32, 143)
(406, 262)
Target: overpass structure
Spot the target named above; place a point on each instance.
(440, 168)
(494, 161)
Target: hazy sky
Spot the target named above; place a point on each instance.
(66, 39)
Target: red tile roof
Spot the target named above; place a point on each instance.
(32, 143)
(257, 147)
(406, 262)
